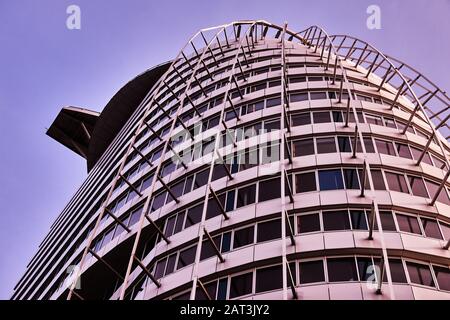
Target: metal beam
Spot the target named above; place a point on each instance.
(153, 131)
(441, 186)
(372, 221)
(144, 268)
(355, 140)
(168, 189)
(106, 264)
(158, 229)
(363, 183)
(381, 275)
(117, 219)
(200, 284)
(130, 185)
(219, 204)
(216, 250)
(143, 156)
(222, 161)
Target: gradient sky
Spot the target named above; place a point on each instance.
(44, 66)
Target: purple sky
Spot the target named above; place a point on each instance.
(45, 66)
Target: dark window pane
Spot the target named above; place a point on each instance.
(243, 237)
(213, 208)
(397, 271)
(420, 274)
(301, 119)
(194, 215)
(273, 102)
(385, 147)
(341, 269)
(294, 97)
(159, 270)
(269, 279)
(170, 224)
(171, 263)
(186, 257)
(135, 216)
(387, 221)
(180, 221)
(431, 228)
(226, 242)
(269, 230)
(351, 179)
(396, 182)
(377, 179)
(445, 230)
(308, 223)
(330, 180)
(318, 95)
(433, 188)
(269, 189)
(418, 186)
(344, 144)
(337, 116)
(335, 220)
(230, 201)
(365, 268)
(442, 277)
(417, 153)
(297, 79)
(222, 289)
(326, 145)
(303, 147)
(208, 249)
(241, 285)
(321, 117)
(403, 150)
(358, 219)
(368, 144)
(210, 288)
(311, 271)
(272, 125)
(408, 224)
(246, 196)
(201, 178)
(305, 182)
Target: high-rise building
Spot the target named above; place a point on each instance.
(259, 163)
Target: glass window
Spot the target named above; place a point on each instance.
(390, 123)
(301, 119)
(273, 102)
(241, 285)
(297, 79)
(229, 206)
(351, 179)
(433, 188)
(135, 216)
(170, 224)
(371, 119)
(305, 182)
(321, 117)
(194, 215)
(420, 274)
(270, 278)
(226, 242)
(344, 144)
(442, 277)
(335, 220)
(171, 263)
(403, 150)
(408, 224)
(418, 186)
(159, 269)
(269, 230)
(180, 221)
(201, 178)
(396, 182)
(337, 116)
(294, 97)
(385, 147)
(397, 272)
(210, 288)
(416, 154)
(365, 268)
(208, 249)
(243, 237)
(330, 179)
(377, 179)
(269, 189)
(272, 125)
(326, 145)
(387, 221)
(445, 230)
(146, 183)
(311, 271)
(368, 144)
(303, 147)
(318, 95)
(358, 220)
(222, 289)
(341, 269)
(431, 228)
(246, 196)
(308, 223)
(186, 257)
(213, 208)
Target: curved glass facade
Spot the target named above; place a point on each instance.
(263, 164)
